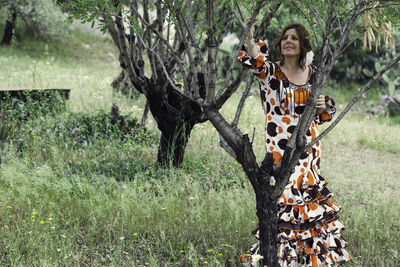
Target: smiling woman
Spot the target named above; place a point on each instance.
(294, 43)
(290, 45)
(308, 226)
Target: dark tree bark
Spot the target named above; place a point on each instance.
(123, 85)
(266, 209)
(9, 28)
(175, 117)
(143, 121)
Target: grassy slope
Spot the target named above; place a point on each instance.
(202, 214)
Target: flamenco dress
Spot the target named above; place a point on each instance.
(309, 231)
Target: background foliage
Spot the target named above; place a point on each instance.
(40, 18)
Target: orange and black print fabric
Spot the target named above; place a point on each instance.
(309, 229)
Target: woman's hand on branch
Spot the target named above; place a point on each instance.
(251, 49)
(250, 35)
(320, 104)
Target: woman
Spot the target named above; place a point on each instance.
(309, 230)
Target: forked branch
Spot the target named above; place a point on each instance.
(367, 86)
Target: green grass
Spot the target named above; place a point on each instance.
(58, 209)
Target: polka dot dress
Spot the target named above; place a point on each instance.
(309, 229)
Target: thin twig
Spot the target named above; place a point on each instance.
(266, 20)
(309, 22)
(317, 16)
(242, 100)
(246, 31)
(254, 134)
(346, 30)
(191, 79)
(352, 41)
(240, 12)
(159, 35)
(161, 63)
(147, 36)
(237, 17)
(174, 53)
(125, 55)
(232, 87)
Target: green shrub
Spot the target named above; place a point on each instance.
(79, 128)
(23, 105)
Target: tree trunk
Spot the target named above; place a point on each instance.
(9, 29)
(143, 121)
(267, 216)
(123, 84)
(173, 143)
(175, 116)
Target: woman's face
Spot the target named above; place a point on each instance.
(290, 44)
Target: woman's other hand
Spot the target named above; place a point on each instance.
(320, 104)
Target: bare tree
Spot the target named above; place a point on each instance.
(170, 36)
(189, 53)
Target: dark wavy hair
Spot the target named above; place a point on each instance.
(304, 40)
